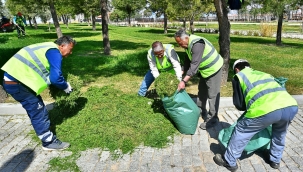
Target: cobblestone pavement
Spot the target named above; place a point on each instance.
(188, 153)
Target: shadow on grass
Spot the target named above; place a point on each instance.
(159, 108)
(60, 114)
(261, 40)
(3, 40)
(75, 35)
(158, 31)
(23, 158)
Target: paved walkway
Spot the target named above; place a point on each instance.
(188, 153)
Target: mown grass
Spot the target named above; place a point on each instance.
(109, 114)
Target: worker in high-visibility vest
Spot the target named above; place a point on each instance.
(30, 71)
(202, 58)
(161, 58)
(265, 103)
(20, 23)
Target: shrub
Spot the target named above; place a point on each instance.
(250, 33)
(236, 33)
(267, 30)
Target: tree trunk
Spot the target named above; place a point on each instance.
(93, 21)
(224, 37)
(165, 23)
(279, 30)
(64, 19)
(191, 26)
(35, 22)
(30, 21)
(184, 24)
(106, 43)
(129, 18)
(55, 18)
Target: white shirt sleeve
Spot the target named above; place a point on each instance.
(153, 67)
(176, 65)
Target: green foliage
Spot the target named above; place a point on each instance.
(185, 10)
(117, 15)
(67, 100)
(166, 84)
(129, 6)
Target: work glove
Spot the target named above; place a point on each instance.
(69, 89)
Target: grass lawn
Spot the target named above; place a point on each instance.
(109, 114)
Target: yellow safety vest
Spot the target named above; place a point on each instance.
(262, 93)
(166, 65)
(211, 59)
(30, 66)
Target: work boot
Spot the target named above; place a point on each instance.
(56, 145)
(208, 123)
(266, 155)
(219, 160)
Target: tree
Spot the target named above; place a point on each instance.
(106, 43)
(185, 10)
(278, 8)
(117, 15)
(224, 37)
(26, 5)
(55, 18)
(208, 8)
(129, 6)
(160, 8)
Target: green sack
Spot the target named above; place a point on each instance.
(183, 111)
(281, 80)
(259, 141)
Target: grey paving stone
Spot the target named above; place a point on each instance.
(259, 167)
(187, 152)
(134, 166)
(177, 161)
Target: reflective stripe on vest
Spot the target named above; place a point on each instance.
(206, 68)
(262, 93)
(250, 86)
(30, 66)
(41, 70)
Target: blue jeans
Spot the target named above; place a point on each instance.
(246, 128)
(147, 81)
(35, 109)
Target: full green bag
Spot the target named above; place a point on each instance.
(260, 140)
(183, 111)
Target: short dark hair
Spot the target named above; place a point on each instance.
(241, 65)
(65, 40)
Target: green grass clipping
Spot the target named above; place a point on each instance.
(63, 99)
(166, 84)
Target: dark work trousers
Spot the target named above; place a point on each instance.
(209, 89)
(20, 30)
(35, 109)
(246, 128)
